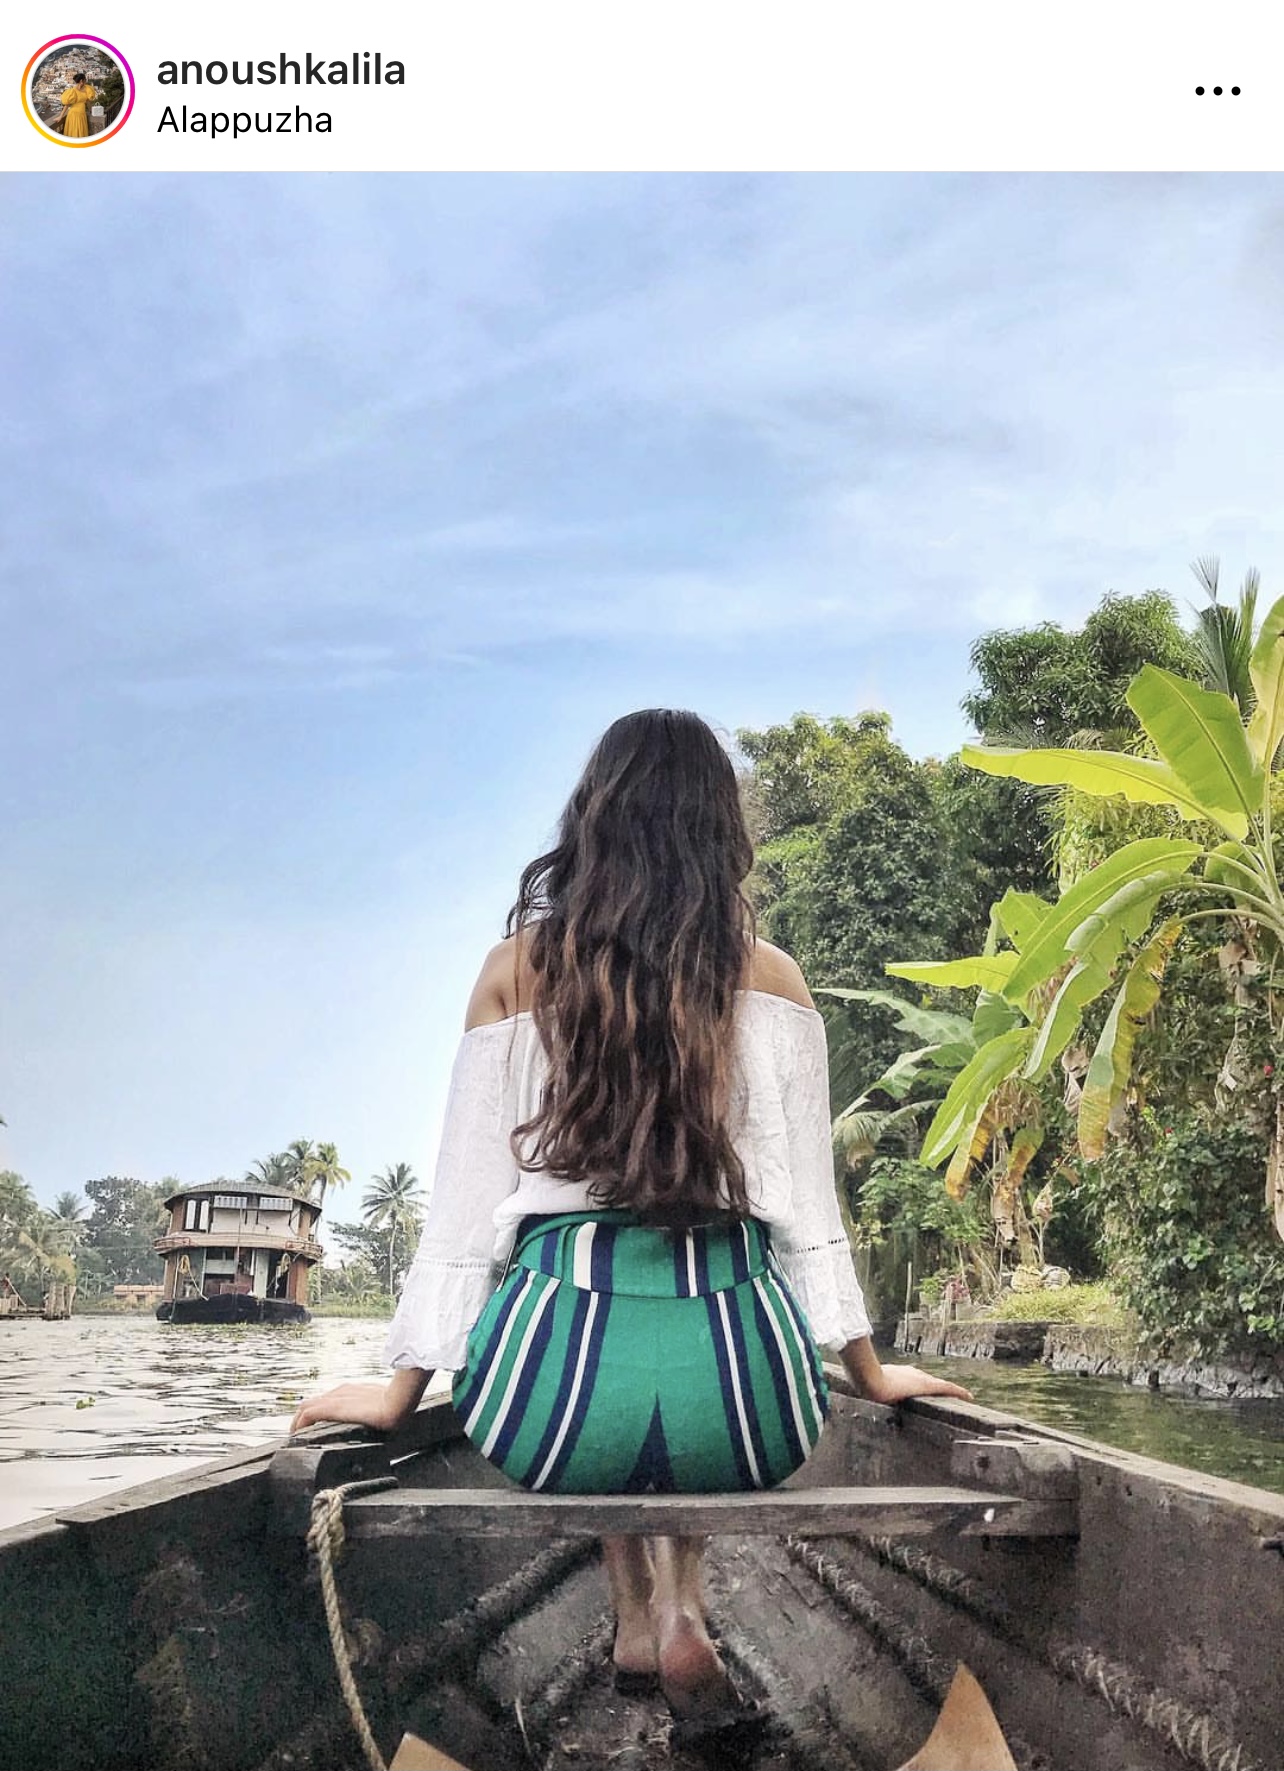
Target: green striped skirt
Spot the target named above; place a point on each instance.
(616, 1358)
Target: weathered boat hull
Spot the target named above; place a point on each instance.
(180, 1624)
(232, 1306)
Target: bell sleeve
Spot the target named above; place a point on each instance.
(813, 1247)
(453, 1272)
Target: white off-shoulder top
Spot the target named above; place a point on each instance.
(780, 1128)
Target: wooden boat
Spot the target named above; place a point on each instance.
(1120, 1614)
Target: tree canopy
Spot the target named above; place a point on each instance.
(1047, 684)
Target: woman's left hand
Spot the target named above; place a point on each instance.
(897, 1383)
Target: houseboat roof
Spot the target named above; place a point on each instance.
(254, 1189)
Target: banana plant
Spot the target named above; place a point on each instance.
(863, 1127)
(1214, 769)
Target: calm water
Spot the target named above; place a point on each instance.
(1241, 1440)
(164, 1398)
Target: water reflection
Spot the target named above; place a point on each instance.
(155, 1399)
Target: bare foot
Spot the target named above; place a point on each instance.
(692, 1675)
(635, 1651)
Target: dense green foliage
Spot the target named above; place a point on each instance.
(1114, 1001)
(1050, 685)
(851, 833)
(1176, 1199)
(125, 1218)
(1187, 1243)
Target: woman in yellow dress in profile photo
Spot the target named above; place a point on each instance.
(75, 105)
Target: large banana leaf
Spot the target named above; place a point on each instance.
(931, 1063)
(1020, 914)
(1097, 772)
(1111, 1063)
(970, 1149)
(1200, 736)
(1231, 865)
(1157, 856)
(1104, 933)
(993, 1014)
(1266, 667)
(1082, 984)
(933, 1024)
(990, 971)
(997, 1059)
(1096, 944)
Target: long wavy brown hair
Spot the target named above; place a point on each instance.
(637, 935)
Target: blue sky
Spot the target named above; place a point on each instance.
(340, 514)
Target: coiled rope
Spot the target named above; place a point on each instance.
(325, 1540)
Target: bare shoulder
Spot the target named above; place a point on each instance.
(502, 986)
(774, 972)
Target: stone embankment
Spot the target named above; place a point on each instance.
(1088, 1351)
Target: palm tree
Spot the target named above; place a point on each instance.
(326, 1171)
(66, 1211)
(392, 1201)
(1225, 635)
(274, 1173)
(17, 1205)
(41, 1249)
(302, 1160)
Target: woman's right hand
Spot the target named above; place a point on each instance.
(383, 1407)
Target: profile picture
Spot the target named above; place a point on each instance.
(78, 90)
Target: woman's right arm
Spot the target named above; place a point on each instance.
(385, 1407)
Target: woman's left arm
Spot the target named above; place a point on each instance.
(892, 1383)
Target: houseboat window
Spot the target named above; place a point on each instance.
(196, 1214)
(271, 1202)
(232, 1201)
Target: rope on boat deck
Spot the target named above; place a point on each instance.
(325, 1540)
(1197, 1737)
(930, 1673)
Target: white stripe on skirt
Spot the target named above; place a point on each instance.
(549, 1293)
(586, 1335)
(795, 1401)
(582, 1257)
(734, 1367)
(479, 1405)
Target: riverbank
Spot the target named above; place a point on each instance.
(1087, 1349)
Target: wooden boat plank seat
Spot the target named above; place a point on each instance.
(907, 1511)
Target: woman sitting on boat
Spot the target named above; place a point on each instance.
(638, 1127)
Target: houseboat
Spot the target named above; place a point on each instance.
(237, 1254)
